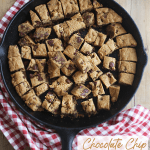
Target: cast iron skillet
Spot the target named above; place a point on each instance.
(67, 128)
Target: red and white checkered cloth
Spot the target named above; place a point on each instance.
(21, 131)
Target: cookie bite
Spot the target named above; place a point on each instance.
(61, 85)
(68, 107)
(80, 91)
(89, 107)
(108, 79)
(103, 102)
(114, 91)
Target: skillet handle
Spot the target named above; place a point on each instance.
(67, 136)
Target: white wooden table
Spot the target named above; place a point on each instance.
(140, 12)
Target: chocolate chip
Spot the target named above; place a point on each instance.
(46, 34)
(40, 78)
(61, 59)
(50, 100)
(43, 64)
(88, 53)
(55, 58)
(58, 83)
(109, 75)
(90, 71)
(22, 26)
(82, 94)
(68, 81)
(71, 66)
(35, 47)
(51, 42)
(80, 86)
(95, 83)
(38, 23)
(105, 15)
(35, 67)
(79, 39)
(111, 64)
(31, 76)
(92, 56)
(85, 90)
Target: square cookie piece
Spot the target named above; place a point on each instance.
(39, 50)
(125, 78)
(82, 62)
(106, 16)
(95, 73)
(62, 31)
(13, 51)
(75, 41)
(89, 107)
(53, 70)
(95, 59)
(128, 67)
(128, 54)
(69, 68)
(22, 88)
(54, 45)
(61, 86)
(81, 91)
(88, 18)
(115, 29)
(41, 63)
(18, 77)
(70, 51)
(36, 22)
(70, 7)
(26, 41)
(100, 39)
(51, 103)
(34, 103)
(96, 4)
(97, 88)
(25, 28)
(85, 5)
(37, 79)
(125, 41)
(108, 79)
(33, 66)
(107, 48)
(103, 102)
(42, 34)
(59, 59)
(55, 9)
(68, 106)
(79, 77)
(44, 14)
(29, 94)
(41, 89)
(26, 52)
(91, 36)
(87, 48)
(76, 23)
(109, 63)
(114, 92)
(15, 64)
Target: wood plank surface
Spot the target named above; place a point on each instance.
(140, 12)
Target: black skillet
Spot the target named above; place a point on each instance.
(65, 127)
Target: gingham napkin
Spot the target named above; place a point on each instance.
(22, 132)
